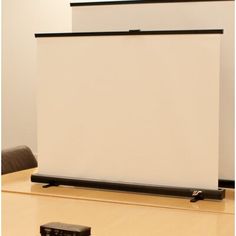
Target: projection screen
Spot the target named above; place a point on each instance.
(130, 108)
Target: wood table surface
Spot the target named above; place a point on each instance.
(26, 206)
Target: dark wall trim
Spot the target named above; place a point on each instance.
(150, 189)
(131, 32)
(225, 183)
(79, 4)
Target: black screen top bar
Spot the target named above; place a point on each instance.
(76, 4)
(131, 32)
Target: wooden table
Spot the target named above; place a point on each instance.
(26, 206)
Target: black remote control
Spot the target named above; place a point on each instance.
(61, 229)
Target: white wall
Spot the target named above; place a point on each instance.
(21, 19)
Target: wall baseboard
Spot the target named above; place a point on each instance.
(226, 183)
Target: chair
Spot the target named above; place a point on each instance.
(16, 159)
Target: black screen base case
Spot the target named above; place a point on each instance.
(50, 180)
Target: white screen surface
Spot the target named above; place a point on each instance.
(133, 109)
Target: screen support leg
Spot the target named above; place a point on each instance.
(50, 185)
